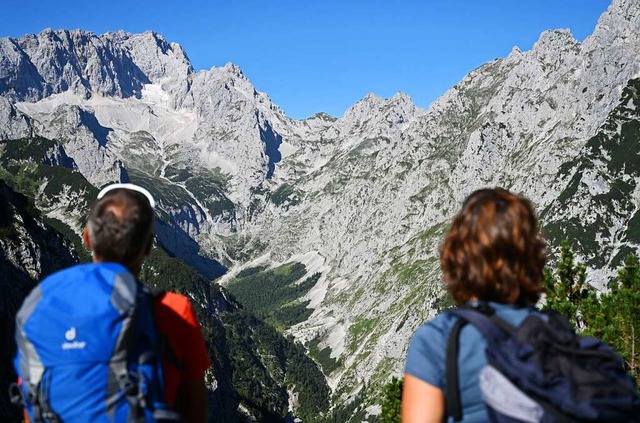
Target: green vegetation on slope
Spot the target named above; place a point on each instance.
(609, 165)
(78, 244)
(391, 401)
(26, 149)
(353, 411)
(207, 186)
(27, 167)
(286, 196)
(322, 356)
(274, 294)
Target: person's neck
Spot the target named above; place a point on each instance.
(134, 268)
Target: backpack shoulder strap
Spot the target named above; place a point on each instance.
(165, 349)
(154, 353)
(491, 327)
(453, 406)
(154, 291)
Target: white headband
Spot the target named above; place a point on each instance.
(131, 187)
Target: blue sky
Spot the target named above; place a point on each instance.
(311, 56)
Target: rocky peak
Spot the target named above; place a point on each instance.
(236, 88)
(621, 18)
(367, 104)
(326, 117)
(113, 64)
(515, 51)
(396, 110)
(19, 78)
(156, 57)
(76, 61)
(162, 63)
(557, 40)
(234, 70)
(403, 104)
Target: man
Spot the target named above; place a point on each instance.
(120, 229)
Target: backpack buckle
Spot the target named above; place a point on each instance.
(15, 395)
(127, 385)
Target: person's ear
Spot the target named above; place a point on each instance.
(86, 238)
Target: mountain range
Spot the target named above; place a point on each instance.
(355, 206)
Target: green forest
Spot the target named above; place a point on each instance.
(273, 294)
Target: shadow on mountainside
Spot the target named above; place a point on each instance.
(179, 244)
(272, 142)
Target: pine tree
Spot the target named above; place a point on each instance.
(614, 316)
(565, 291)
(391, 400)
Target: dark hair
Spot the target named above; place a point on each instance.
(494, 250)
(121, 226)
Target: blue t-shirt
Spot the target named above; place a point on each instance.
(427, 350)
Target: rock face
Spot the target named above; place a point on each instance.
(370, 192)
(13, 124)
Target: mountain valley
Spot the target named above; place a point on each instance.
(321, 235)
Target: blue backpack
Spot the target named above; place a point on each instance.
(542, 371)
(88, 350)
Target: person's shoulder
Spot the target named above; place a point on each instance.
(174, 299)
(426, 352)
(178, 304)
(440, 324)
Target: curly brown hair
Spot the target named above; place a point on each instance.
(494, 251)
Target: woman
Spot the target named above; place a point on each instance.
(493, 252)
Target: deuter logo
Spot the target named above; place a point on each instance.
(70, 336)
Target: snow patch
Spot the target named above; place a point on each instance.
(154, 94)
(212, 159)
